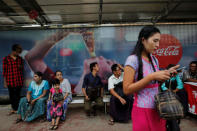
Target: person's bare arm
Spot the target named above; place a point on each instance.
(175, 90)
(5, 83)
(117, 96)
(102, 92)
(130, 87)
(28, 96)
(43, 94)
(191, 80)
(5, 68)
(88, 37)
(50, 96)
(84, 93)
(121, 67)
(66, 95)
(36, 55)
(67, 89)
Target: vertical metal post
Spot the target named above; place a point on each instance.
(100, 11)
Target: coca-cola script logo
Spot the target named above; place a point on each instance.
(169, 51)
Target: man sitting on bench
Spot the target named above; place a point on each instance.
(93, 90)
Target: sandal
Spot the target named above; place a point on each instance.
(55, 127)
(11, 113)
(42, 120)
(51, 127)
(111, 122)
(18, 120)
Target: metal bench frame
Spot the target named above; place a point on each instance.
(106, 99)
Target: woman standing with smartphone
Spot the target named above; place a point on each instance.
(141, 74)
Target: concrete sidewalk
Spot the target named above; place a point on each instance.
(77, 121)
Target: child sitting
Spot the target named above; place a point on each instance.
(56, 108)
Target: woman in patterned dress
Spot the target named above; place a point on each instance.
(141, 74)
(56, 109)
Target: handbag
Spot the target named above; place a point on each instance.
(58, 97)
(168, 105)
(92, 92)
(118, 89)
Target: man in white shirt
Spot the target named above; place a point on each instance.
(120, 105)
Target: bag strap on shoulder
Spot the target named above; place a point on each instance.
(170, 84)
(155, 61)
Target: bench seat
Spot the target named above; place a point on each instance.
(80, 100)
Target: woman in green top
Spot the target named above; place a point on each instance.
(176, 85)
(33, 105)
(176, 82)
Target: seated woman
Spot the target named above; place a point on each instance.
(176, 85)
(33, 105)
(66, 91)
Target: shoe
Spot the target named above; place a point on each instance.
(51, 127)
(55, 127)
(88, 114)
(42, 119)
(94, 113)
(18, 120)
(111, 122)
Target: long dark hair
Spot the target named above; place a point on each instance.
(145, 33)
(57, 72)
(38, 73)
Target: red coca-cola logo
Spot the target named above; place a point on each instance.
(169, 52)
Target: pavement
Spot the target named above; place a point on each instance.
(77, 121)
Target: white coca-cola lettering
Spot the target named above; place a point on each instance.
(168, 51)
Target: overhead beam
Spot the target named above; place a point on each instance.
(121, 2)
(7, 10)
(127, 12)
(167, 10)
(29, 5)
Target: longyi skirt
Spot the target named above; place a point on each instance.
(147, 119)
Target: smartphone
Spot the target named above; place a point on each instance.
(180, 68)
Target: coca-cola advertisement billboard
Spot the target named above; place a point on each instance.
(72, 50)
(170, 50)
